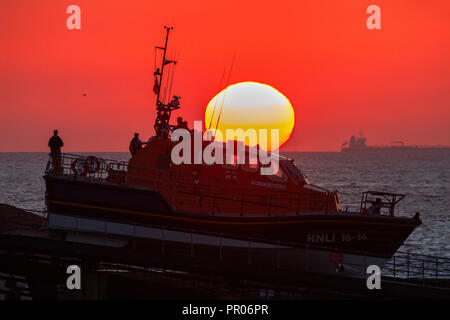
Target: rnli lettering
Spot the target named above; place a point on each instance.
(321, 237)
(324, 237)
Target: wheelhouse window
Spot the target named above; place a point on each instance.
(293, 171)
(279, 176)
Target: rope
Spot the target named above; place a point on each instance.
(224, 95)
(169, 69)
(173, 73)
(215, 104)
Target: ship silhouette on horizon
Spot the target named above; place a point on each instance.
(358, 144)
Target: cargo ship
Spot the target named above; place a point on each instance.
(358, 144)
(151, 199)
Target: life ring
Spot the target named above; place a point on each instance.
(90, 165)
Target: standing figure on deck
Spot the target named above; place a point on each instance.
(181, 124)
(55, 143)
(376, 206)
(136, 144)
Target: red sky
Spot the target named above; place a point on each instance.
(391, 84)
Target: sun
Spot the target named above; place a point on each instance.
(250, 105)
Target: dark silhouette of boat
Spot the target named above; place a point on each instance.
(150, 198)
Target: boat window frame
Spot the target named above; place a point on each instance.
(301, 177)
(276, 178)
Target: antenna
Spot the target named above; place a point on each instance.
(224, 95)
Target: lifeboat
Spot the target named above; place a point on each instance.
(150, 197)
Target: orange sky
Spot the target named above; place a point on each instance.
(341, 78)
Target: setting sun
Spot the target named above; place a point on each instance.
(251, 105)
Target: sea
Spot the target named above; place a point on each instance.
(422, 175)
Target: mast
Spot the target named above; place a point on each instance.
(164, 111)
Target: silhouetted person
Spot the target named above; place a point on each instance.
(55, 143)
(136, 144)
(181, 124)
(375, 207)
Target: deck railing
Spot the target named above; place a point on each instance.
(72, 164)
(417, 266)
